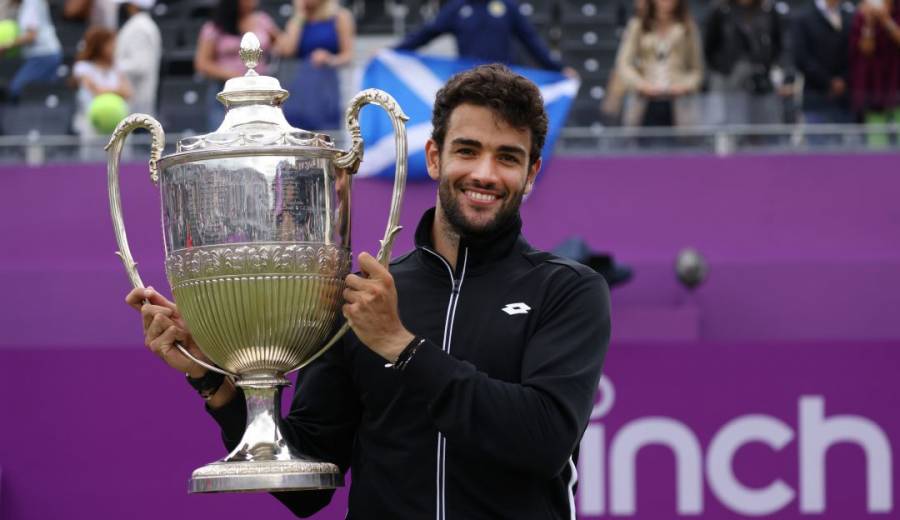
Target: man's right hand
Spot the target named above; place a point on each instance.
(163, 326)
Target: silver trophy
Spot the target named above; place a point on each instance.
(256, 223)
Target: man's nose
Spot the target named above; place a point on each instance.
(484, 170)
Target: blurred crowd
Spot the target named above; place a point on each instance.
(743, 62)
(840, 60)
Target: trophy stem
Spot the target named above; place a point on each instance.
(263, 460)
(262, 438)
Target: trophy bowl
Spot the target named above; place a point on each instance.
(256, 226)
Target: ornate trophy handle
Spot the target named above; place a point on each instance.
(114, 151)
(351, 160)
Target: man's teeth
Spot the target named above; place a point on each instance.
(484, 197)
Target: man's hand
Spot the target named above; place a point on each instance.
(678, 91)
(838, 87)
(786, 90)
(163, 326)
(649, 90)
(371, 309)
(321, 58)
(570, 73)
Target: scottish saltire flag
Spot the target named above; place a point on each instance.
(414, 80)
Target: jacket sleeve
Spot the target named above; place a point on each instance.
(779, 52)
(693, 73)
(526, 34)
(712, 38)
(442, 23)
(626, 56)
(534, 425)
(805, 56)
(855, 54)
(321, 423)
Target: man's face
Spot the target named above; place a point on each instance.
(482, 170)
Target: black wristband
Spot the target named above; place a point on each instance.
(406, 354)
(207, 385)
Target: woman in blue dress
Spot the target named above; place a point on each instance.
(321, 35)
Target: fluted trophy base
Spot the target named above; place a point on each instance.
(263, 460)
(292, 475)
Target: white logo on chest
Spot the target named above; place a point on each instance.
(516, 308)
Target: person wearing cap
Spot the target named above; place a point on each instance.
(138, 53)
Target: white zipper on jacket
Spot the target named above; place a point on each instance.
(440, 507)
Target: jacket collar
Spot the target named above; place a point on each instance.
(475, 253)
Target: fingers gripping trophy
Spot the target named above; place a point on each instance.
(256, 224)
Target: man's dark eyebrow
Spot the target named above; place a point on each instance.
(462, 141)
(515, 150)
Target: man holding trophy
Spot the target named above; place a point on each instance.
(468, 377)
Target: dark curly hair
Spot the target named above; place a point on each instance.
(515, 99)
(682, 14)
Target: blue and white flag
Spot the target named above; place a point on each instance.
(414, 80)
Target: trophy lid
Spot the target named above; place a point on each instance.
(254, 121)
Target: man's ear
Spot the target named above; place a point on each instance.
(532, 174)
(433, 159)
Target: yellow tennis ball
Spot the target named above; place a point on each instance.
(9, 30)
(106, 111)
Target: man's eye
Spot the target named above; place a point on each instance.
(512, 159)
(465, 151)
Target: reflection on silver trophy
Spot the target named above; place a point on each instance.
(256, 223)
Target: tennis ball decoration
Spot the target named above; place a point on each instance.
(9, 29)
(106, 111)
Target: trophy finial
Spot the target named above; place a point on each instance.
(252, 88)
(250, 52)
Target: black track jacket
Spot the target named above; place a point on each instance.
(485, 420)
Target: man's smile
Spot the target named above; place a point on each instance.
(480, 197)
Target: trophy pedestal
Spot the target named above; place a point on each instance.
(277, 475)
(263, 461)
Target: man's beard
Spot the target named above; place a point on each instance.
(509, 211)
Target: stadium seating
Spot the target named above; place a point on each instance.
(8, 67)
(182, 104)
(584, 34)
(45, 109)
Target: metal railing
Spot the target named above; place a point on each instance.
(730, 139)
(597, 140)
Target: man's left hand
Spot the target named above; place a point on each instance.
(371, 309)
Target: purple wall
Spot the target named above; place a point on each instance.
(805, 280)
(800, 248)
(95, 433)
